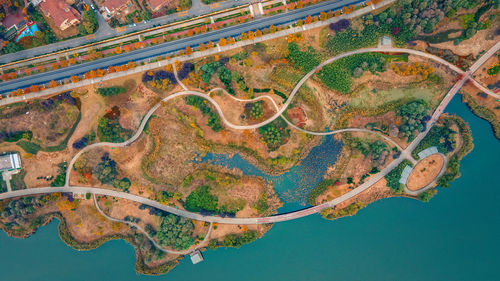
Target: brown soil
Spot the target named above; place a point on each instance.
(49, 127)
(425, 172)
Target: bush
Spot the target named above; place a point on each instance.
(185, 70)
(427, 195)
(111, 91)
(15, 136)
(441, 137)
(413, 114)
(110, 130)
(339, 25)
(60, 179)
(223, 73)
(176, 232)
(338, 74)
(201, 200)
(200, 103)
(318, 190)
(29, 147)
(262, 205)
(81, 143)
(106, 171)
(257, 110)
(394, 176)
(275, 133)
(303, 60)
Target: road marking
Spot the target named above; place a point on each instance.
(183, 13)
(89, 37)
(214, 5)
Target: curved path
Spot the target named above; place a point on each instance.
(271, 219)
(185, 252)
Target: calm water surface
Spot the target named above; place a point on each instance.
(454, 237)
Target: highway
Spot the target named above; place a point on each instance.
(106, 32)
(172, 46)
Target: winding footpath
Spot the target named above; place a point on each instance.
(131, 224)
(280, 217)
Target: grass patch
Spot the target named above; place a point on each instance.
(318, 190)
(439, 37)
(17, 180)
(339, 74)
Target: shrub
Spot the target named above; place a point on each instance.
(338, 74)
(413, 114)
(111, 130)
(111, 91)
(257, 110)
(29, 147)
(303, 60)
(274, 133)
(393, 177)
(201, 200)
(185, 70)
(213, 119)
(339, 25)
(176, 232)
(318, 190)
(81, 143)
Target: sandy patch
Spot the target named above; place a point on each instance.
(425, 172)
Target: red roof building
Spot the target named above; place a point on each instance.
(112, 7)
(63, 14)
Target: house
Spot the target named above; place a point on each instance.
(9, 162)
(112, 7)
(156, 5)
(386, 41)
(62, 13)
(196, 256)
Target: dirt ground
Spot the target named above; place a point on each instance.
(425, 172)
(482, 40)
(49, 127)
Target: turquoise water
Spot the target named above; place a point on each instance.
(454, 237)
(294, 186)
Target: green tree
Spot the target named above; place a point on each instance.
(201, 199)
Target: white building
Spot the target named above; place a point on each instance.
(9, 162)
(196, 256)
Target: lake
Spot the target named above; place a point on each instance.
(453, 237)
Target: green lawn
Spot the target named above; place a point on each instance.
(366, 98)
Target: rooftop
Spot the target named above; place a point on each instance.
(196, 256)
(114, 4)
(9, 161)
(59, 11)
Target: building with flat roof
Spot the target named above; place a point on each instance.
(196, 256)
(10, 162)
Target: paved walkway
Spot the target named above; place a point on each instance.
(271, 219)
(184, 252)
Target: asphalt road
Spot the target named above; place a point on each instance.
(172, 46)
(106, 32)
